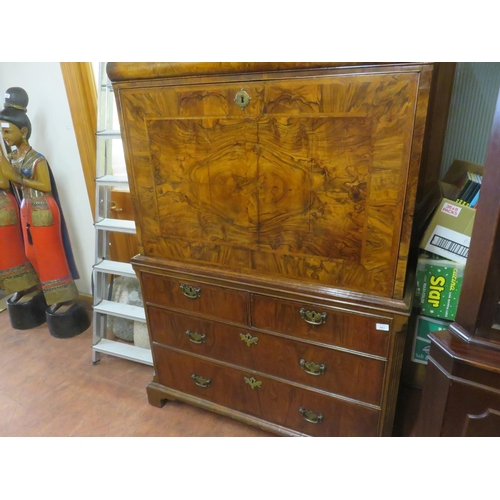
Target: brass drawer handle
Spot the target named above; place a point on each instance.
(113, 206)
(312, 317)
(248, 339)
(191, 292)
(312, 368)
(201, 381)
(195, 337)
(252, 382)
(311, 416)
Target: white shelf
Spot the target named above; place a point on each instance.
(126, 311)
(106, 184)
(116, 225)
(126, 351)
(113, 267)
(109, 134)
(112, 180)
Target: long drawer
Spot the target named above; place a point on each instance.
(274, 401)
(331, 370)
(318, 323)
(194, 297)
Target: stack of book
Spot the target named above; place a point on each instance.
(469, 193)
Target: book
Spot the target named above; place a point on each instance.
(463, 190)
(473, 203)
(472, 195)
(469, 189)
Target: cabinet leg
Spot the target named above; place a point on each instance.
(156, 397)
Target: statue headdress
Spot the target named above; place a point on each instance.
(15, 107)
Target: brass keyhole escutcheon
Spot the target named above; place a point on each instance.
(252, 382)
(242, 99)
(248, 339)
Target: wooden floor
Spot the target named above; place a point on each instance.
(49, 387)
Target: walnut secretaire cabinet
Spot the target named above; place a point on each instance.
(274, 206)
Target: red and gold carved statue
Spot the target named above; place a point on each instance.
(16, 272)
(44, 234)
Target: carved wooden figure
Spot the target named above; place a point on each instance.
(46, 243)
(16, 272)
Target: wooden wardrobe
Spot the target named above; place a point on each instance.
(274, 206)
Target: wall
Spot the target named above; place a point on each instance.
(53, 136)
(473, 102)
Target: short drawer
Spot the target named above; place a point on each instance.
(193, 297)
(322, 324)
(284, 404)
(331, 370)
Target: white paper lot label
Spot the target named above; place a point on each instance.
(450, 209)
(449, 244)
(383, 327)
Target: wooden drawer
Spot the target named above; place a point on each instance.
(268, 399)
(229, 305)
(342, 373)
(349, 330)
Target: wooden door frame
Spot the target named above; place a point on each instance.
(82, 98)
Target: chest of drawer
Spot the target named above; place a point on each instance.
(317, 323)
(197, 298)
(284, 404)
(331, 370)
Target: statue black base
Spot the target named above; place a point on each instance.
(27, 314)
(67, 324)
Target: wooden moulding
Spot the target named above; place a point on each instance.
(82, 99)
(122, 71)
(278, 287)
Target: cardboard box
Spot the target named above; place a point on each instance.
(438, 286)
(449, 231)
(421, 342)
(421, 273)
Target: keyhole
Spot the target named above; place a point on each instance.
(242, 99)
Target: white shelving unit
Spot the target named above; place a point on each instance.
(108, 145)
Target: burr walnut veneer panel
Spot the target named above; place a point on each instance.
(308, 182)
